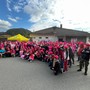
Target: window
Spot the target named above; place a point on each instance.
(60, 39)
(46, 37)
(40, 37)
(33, 37)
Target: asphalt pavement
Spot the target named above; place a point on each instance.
(18, 74)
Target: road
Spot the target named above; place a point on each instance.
(18, 74)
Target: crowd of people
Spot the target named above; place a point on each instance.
(59, 55)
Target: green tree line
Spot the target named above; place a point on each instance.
(16, 31)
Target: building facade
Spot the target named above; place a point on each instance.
(60, 34)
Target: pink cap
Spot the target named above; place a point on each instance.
(56, 56)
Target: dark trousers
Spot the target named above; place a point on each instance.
(79, 57)
(71, 60)
(57, 68)
(84, 63)
(8, 54)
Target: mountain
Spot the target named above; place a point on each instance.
(2, 33)
(15, 31)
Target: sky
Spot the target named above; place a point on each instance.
(39, 14)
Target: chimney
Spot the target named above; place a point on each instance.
(60, 25)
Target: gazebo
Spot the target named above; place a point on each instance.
(18, 37)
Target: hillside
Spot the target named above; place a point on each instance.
(16, 31)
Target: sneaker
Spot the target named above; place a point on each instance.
(85, 73)
(61, 71)
(73, 62)
(78, 65)
(30, 60)
(69, 66)
(79, 70)
(52, 68)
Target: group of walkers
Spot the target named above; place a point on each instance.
(59, 55)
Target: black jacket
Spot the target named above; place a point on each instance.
(86, 54)
(71, 54)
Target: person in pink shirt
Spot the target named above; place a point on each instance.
(31, 57)
(13, 52)
(56, 65)
(21, 52)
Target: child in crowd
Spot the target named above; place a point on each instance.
(22, 55)
(65, 68)
(56, 65)
(13, 52)
(26, 57)
(21, 52)
(31, 57)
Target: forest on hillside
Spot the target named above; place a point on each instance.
(16, 31)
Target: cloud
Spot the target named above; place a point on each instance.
(4, 25)
(42, 25)
(18, 6)
(14, 19)
(8, 5)
(17, 18)
(71, 13)
(39, 10)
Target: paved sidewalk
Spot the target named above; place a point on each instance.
(17, 74)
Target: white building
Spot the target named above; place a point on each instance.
(60, 34)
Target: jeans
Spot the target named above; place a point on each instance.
(84, 63)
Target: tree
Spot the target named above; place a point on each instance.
(16, 31)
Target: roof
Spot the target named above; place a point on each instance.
(61, 32)
(3, 33)
(18, 37)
